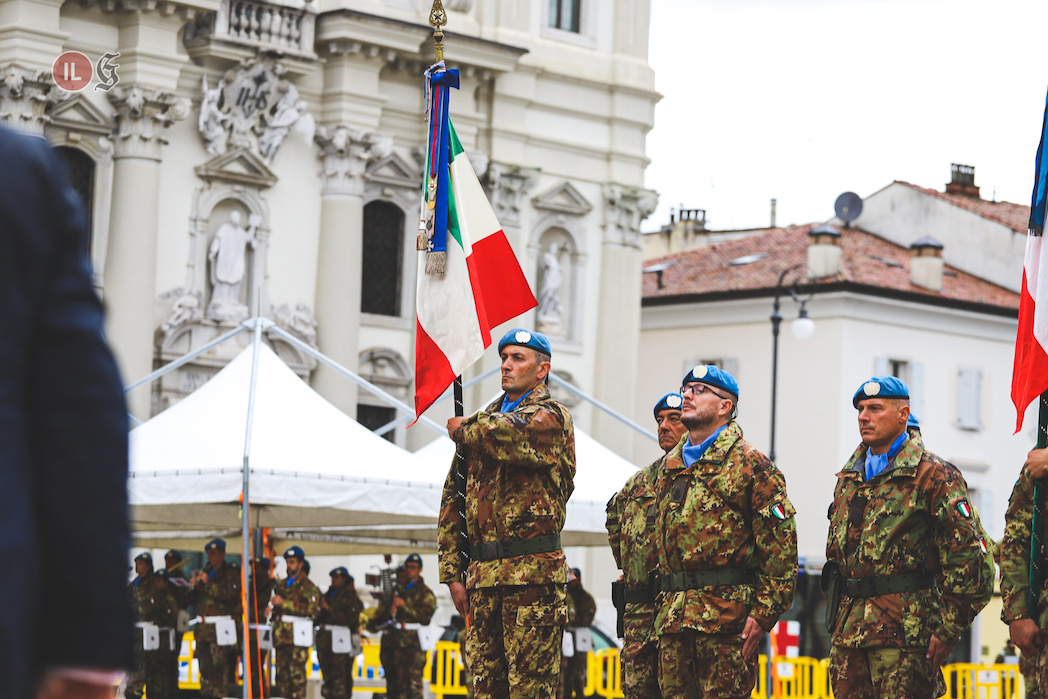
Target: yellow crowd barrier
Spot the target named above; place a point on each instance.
(792, 678)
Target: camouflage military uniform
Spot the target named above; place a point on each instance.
(141, 591)
(520, 471)
(344, 608)
(913, 517)
(180, 590)
(631, 533)
(585, 611)
(161, 683)
(562, 684)
(401, 653)
(257, 601)
(1015, 577)
(301, 599)
(728, 511)
(219, 595)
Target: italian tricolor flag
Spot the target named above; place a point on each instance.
(1030, 372)
(482, 287)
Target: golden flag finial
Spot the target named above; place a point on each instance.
(437, 19)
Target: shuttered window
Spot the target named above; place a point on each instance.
(969, 399)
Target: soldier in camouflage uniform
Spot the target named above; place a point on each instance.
(520, 466)
(413, 605)
(161, 683)
(216, 595)
(258, 594)
(1025, 624)
(585, 611)
(909, 553)
(141, 590)
(727, 545)
(631, 528)
(295, 600)
(180, 588)
(340, 606)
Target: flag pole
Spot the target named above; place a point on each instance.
(437, 19)
(1037, 526)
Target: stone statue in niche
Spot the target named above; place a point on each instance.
(550, 314)
(228, 267)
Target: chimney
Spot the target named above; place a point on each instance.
(926, 264)
(962, 181)
(824, 252)
(773, 203)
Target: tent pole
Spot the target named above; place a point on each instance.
(606, 408)
(186, 358)
(245, 541)
(360, 381)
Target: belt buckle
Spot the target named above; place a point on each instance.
(851, 587)
(489, 550)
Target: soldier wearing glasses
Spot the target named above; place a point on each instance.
(727, 546)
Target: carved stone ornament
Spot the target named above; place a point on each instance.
(299, 321)
(25, 95)
(187, 308)
(346, 152)
(508, 185)
(459, 5)
(142, 117)
(252, 106)
(624, 209)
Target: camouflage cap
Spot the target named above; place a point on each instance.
(670, 401)
(881, 387)
(526, 338)
(712, 375)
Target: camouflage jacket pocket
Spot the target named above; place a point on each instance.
(283, 634)
(542, 615)
(920, 609)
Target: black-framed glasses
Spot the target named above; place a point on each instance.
(699, 389)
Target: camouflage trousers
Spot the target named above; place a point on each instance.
(513, 645)
(402, 666)
(640, 669)
(695, 665)
(148, 674)
(337, 669)
(576, 676)
(291, 672)
(1035, 673)
(872, 673)
(216, 668)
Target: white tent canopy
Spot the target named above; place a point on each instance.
(599, 474)
(311, 466)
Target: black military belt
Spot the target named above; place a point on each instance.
(888, 584)
(493, 550)
(698, 579)
(638, 595)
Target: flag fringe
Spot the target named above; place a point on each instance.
(436, 263)
(422, 240)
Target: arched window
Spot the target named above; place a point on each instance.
(382, 259)
(82, 174)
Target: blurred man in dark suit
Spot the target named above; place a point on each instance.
(65, 624)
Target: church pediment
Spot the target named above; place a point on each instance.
(239, 166)
(395, 171)
(563, 198)
(80, 115)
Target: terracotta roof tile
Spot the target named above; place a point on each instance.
(866, 259)
(1014, 216)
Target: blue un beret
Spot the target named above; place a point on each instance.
(295, 552)
(670, 401)
(881, 387)
(913, 422)
(712, 375)
(147, 557)
(215, 544)
(341, 570)
(414, 558)
(526, 338)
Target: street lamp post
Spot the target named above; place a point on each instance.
(802, 328)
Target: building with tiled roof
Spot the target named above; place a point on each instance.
(878, 307)
(984, 237)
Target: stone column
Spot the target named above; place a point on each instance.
(25, 96)
(618, 324)
(142, 117)
(345, 152)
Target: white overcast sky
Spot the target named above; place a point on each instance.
(801, 100)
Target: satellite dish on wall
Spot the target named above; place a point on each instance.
(848, 207)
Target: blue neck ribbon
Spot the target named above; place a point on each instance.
(290, 581)
(693, 453)
(410, 585)
(509, 406)
(876, 463)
